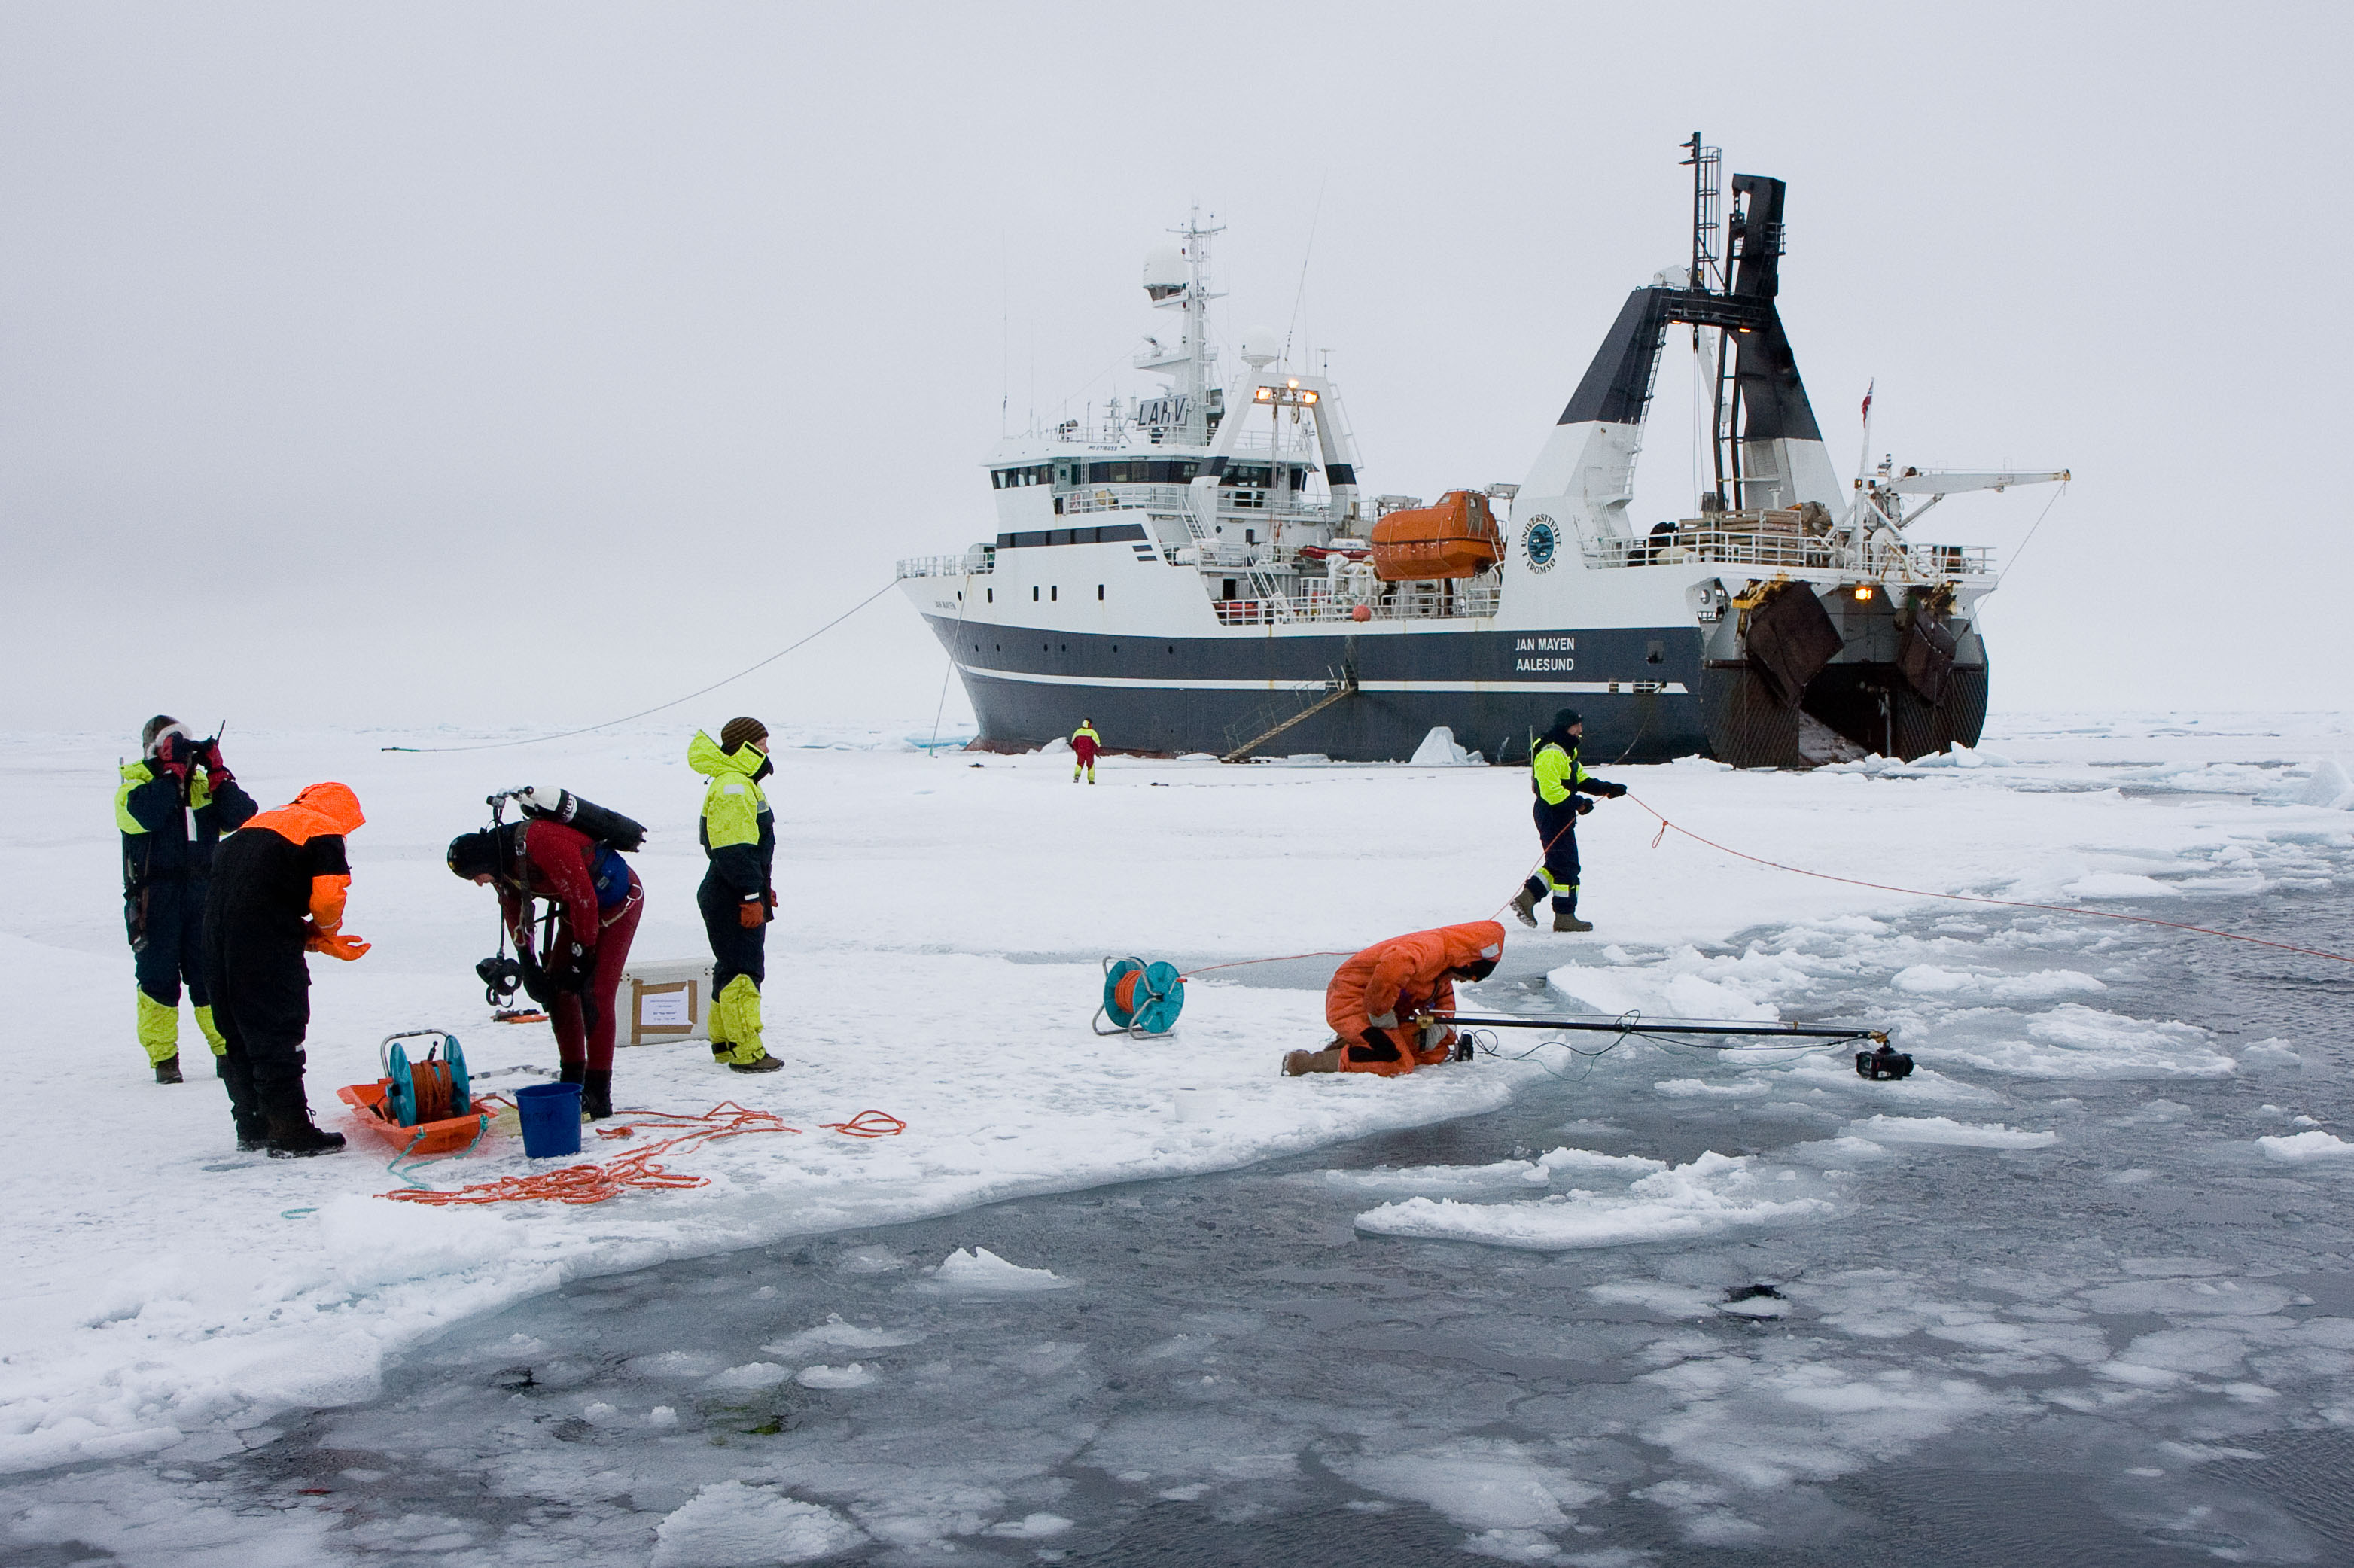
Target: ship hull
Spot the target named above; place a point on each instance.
(1175, 695)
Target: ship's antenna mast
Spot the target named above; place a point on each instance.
(1198, 295)
(1708, 275)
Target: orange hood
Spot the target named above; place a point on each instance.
(1466, 944)
(319, 811)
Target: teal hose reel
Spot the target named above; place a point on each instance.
(1139, 1000)
(434, 1088)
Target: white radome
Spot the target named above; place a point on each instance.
(1165, 269)
(1262, 345)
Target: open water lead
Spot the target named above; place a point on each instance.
(1140, 1000)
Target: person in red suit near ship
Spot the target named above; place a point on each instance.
(1084, 744)
(1381, 1003)
(598, 899)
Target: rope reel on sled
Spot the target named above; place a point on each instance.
(434, 1088)
(1140, 1000)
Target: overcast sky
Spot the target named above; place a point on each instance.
(540, 362)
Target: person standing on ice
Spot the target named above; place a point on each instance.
(1084, 744)
(173, 806)
(278, 892)
(1561, 786)
(597, 898)
(1381, 1003)
(738, 898)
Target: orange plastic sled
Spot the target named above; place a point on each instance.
(445, 1137)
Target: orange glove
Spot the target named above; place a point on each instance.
(338, 946)
(751, 916)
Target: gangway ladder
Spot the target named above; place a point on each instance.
(1336, 687)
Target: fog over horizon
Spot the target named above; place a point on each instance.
(535, 364)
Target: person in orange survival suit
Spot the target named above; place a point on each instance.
(278, 890)
(1375, 998)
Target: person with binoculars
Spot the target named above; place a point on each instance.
(172, 808)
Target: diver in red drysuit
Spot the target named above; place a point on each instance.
(1375, 997)
(598, 899)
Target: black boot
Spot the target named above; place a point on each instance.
(292, 1137)
(1524, 902)
(167, 1071)
(597, 1094)
(569, 1072)
(235, 1075)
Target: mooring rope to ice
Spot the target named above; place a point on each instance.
(1666, 826)
(658, 707)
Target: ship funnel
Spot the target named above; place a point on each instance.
(1262, 346)
(1165, 272)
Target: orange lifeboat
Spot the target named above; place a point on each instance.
(1456, 538)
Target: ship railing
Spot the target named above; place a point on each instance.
(1126, 498)
(1400, 602)
(976, 562)
(1791, 551)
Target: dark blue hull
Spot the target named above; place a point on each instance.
(1493, 690)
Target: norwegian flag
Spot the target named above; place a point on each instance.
(1867, 399)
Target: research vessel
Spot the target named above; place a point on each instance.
(1203, 570)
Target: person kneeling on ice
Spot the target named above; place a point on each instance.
(278, 890)
(1561, 786)
(1380, 1002)
(738, 898)
(1084, 744)
(598, 899)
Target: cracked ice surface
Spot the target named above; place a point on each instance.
(2090, 1247)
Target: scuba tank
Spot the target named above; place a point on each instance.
(607, 827)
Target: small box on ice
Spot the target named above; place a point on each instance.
(665, 1001)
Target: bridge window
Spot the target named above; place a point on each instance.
(1054, 593)
(1033, 593)
(1098, 593)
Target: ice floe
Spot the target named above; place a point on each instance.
(981, 1271)
(1713, 1194)
(731, 1525)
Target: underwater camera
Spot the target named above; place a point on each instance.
(1885, 1063)
(502, 977)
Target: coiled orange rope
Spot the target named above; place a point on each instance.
(868, 1124)
(640, 1170)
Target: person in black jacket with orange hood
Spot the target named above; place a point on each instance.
(278, 891)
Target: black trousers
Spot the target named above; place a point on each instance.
(261, 1005)
(733, 949)
(174, 948)
(1557, 832)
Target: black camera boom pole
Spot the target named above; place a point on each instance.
(1632, 1024)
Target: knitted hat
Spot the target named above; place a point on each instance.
(1566, 719)
(153, 727)
(740, 732)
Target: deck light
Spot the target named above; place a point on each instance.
(1862, 591)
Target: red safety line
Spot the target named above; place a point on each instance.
(868, 1124)
(1974, 898)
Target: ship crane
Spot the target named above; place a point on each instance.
(1877, 513)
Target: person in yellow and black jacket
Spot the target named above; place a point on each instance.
(172, 806)
(1561, 786)
(738, 897)
(278, 892)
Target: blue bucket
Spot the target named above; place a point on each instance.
(551, 1119)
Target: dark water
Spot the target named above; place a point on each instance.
(1236, 1375)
